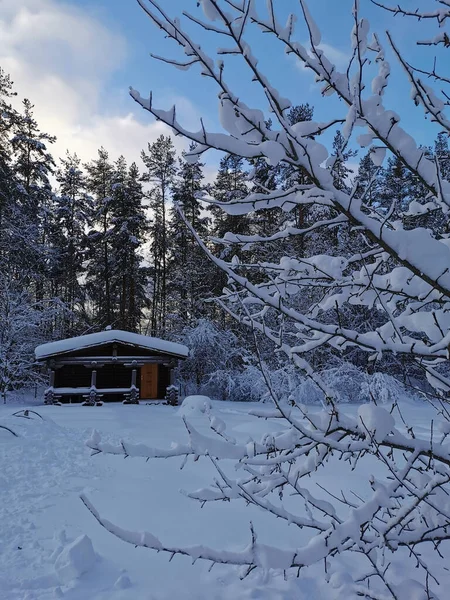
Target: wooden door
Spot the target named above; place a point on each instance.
(149, 381)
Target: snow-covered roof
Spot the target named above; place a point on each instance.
(109, 336)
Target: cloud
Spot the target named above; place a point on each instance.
(63, 59)
(337, 57)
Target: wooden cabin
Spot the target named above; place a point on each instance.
(111, 365)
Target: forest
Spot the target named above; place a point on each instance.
(106, 243)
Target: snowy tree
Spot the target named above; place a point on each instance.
(211, 350)
(339, 163)
(9, 232)
(128, 228)
(23, 325)
(190, 271)
(72, 208)
(230, 185)
(160, 172)
(368, 181)
(33, 165)
(401, 523)
(98, 284)
(442, 153)
(395, 195)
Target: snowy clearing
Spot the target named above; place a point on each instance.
(51, 546)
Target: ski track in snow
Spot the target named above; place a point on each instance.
(43, 472)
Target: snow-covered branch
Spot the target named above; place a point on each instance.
(406, 509)
(375, 261)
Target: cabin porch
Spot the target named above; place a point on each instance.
(75, 383)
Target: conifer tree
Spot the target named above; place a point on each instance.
(339, 159)
(33, 165)
(368, 181)
(71, 215)
(8, 188)
(129, 226)
(230, 185)
(190, 270)
(160, 163)
(299, 216)
(99, 182)
(442, 153)
(395, 187)
(264, 179)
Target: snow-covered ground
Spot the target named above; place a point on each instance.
(44, 553)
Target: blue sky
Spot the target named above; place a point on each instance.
(75, 59)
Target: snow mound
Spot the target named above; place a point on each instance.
(376, 420)
(194, 406)
(75, 559)
(123, 582)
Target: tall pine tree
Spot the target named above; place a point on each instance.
(129, 225)
(190, 270)
(71, 216)
(10, 231)
(160, 172)
(33, 165)
(99, 185)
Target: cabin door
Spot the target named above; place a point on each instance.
(149, 381)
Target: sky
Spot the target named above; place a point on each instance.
(76, 59)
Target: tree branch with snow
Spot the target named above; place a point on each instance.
(402, 273)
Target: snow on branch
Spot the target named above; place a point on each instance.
(349, 258)
(440, 14)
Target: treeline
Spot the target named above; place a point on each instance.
(84, 246)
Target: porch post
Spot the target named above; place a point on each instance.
(132, 397)
(49, 395)
(93, 378)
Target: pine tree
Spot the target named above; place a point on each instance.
(442, 153)
(299, 216)
(264, 179)
(395, 193)
(161, 169)
(9, 243)
(291, 176)
(368, 181)
(340, 157)
(33, 165)
(190, 270)
(99, 182)
(71, 212)
(129, 226)
(230, 185)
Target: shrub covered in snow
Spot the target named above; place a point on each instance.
(353, 385)
(210, 349)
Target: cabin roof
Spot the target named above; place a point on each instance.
(109, 336)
